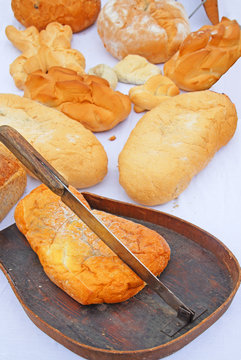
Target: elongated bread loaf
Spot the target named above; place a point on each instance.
(66, 144)
(75, 259)
(172, 143)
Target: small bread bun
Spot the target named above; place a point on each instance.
(76, 260)
(78, 14)
(105, 72)
(157, 89)
(87, 98)
(153, 29)
(205, 55)
(135, 69)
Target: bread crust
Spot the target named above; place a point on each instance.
(172, 143)
(205, 55)
(76, 260)
(153, 29)
(66, 144)
(78, 14)
(13, 182)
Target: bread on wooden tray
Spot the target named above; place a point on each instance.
(153, 29)
(87, 99)
(76, 260)
(172, 143)
(66, 144)
(13, 181)
(205, 55)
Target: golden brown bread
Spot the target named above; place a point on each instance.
(211, 8)
(88, 99)
(13, 181)
(66, 144)
(153, 29)
(42, 50)
(172, 143)
(76, 260)
(155, 90)
(205, 55)
(79, 14)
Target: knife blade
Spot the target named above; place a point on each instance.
(33, 161)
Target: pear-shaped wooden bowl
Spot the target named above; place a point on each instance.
(202, 272)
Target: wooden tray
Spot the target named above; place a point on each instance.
(202, 271)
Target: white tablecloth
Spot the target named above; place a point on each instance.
(212, 201)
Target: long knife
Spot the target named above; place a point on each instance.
(34, 162)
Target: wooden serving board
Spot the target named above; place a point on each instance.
(202, 272)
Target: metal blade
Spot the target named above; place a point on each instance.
(183, 312)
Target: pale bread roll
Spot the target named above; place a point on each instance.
(172, 143)
(66, 144)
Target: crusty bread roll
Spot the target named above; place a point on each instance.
(205, 55)
(66, 144)
(88, 99)
(153, 29)
(13, 181)
(79, 14)
(172, 143)
(76, 260)
(42, 50)
(155, 90)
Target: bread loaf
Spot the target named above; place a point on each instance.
(172, 143)
(205, 55)
(87, 99)
(66, 144)
(153, 29)
(76, 260)
(79, 14)
(13, 181)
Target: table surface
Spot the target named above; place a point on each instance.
(212, 201)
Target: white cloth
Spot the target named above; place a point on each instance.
(212, 201)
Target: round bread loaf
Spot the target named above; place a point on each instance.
(153, 29)
(78, 14)
(76, 260)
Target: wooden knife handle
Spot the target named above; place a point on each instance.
(31, 159)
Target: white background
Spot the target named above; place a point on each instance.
(212, 201)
